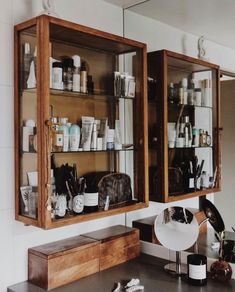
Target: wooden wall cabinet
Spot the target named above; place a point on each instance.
(39, 40)
(174, 157)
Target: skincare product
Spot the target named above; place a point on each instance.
(195, 133)
(197, 269)
(117, 83)
(57, 136)
(74, 137)
(94, 137)
(206, 93)
(27, 56)
(87, 125)
(110, 139)
(191, 94)
(83, 78)
(198, 97)
(187, 132)
(76, 73)
(117, 137)
(29, 131)
(99, 144)
(103, 132)
(33, 204)
(131, 86)
(64, 129)
(185, 90)
(33, 178)
(171, 135)
(171, 92)
(31, 82)
(57, 75)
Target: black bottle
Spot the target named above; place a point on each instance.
(197, 269)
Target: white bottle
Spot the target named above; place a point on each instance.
(76, 73)
(63, 127)
(74, 137)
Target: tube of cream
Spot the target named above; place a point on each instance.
(103, 132)
(87, 125)
(117, 137)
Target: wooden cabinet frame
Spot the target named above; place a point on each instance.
(117, 44)
(158, 69)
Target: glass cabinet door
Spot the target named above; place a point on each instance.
(27, 122)
(81, 143)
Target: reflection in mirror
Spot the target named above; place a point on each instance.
(176, 229)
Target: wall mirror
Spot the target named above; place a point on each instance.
(165, 25)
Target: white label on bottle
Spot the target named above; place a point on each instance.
(191, 182)
(59, 140)
(197, 272)
(90, 199)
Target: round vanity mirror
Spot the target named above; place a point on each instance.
(177, 229)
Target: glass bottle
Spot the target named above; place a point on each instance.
(57, 136)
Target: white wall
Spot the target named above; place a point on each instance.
(15, 238)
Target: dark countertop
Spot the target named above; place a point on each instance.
(147, 268)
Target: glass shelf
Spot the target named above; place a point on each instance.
(187, 106)
(185, 148)
(95, 151)
(95, 96)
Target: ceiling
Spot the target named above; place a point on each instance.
(215, 19)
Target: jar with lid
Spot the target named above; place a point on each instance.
(57, 75)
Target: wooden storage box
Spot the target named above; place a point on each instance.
(61, 262)
(118, 245)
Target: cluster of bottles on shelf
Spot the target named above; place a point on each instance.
(70, 74)
(192, 92)
(65, 74)
(29, 66)
(182, 134)
(192, 177)
(124, 84)
(70, 194)
(94, 135)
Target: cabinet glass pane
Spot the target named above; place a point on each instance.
(92, 116)
(192, 127)
(28, 124)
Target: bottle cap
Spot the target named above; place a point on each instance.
(63, 121)
(30, 123)
(57, 65)
(54, 120)
(76, 61)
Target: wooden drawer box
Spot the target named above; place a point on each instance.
(118, 245)
(62, 262)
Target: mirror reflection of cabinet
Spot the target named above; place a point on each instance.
(47, 101)
(184, 125)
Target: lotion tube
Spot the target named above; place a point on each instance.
(87, 125)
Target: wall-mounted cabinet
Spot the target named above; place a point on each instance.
(184, 127)
(77, 115)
